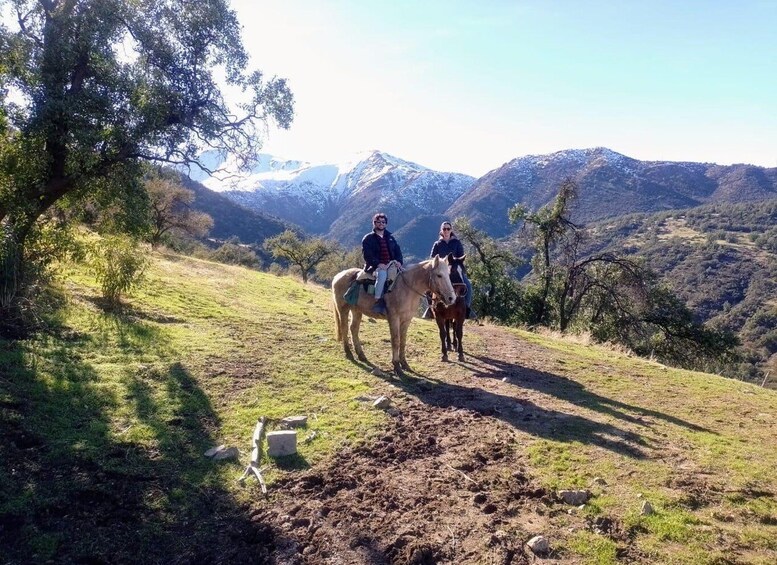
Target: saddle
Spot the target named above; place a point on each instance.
(391, 275)
(365, 279)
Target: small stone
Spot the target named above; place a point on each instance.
(539, 545)
(574, 497)
(382, 403)
(214, 450)
(295, 421)
(600, 482)
(228, 453)
(647, 509)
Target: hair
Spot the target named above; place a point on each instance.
(442, 225)
(380, 216)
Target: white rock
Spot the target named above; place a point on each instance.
(382, 402)
(574, 497)
(280, 443)
(214, 450)
(228, 453)
(295, 421)
(539, 545)
(647, 509)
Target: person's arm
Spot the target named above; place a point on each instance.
(369, 260)
(459, 248)
(435, 249)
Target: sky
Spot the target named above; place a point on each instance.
(465, 86)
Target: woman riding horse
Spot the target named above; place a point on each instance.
(451, 317)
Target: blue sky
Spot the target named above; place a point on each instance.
(466, 86)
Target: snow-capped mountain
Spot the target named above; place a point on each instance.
(339, 199)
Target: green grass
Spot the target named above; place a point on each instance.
(136, 397)
(112, 407)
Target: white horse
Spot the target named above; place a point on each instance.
(401, 303)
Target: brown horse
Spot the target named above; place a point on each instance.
(401, 303)
(451, 316)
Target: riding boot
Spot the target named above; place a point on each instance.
(380, 306)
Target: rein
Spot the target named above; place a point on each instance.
(401, 275)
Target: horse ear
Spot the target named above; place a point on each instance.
(435, 261)
(449, 258)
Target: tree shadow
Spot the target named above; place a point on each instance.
(575, 393)
(536, 420)
(100, 470)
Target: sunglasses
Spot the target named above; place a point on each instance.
(379, 222)
(446, 229)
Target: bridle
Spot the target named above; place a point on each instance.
(429, 285)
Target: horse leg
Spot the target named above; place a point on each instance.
(459, 333)
(441, 329)
(341, 321)
(448, 335)
(404, 325)
(356, 321)
(394, 331)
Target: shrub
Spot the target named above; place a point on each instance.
(119, 266)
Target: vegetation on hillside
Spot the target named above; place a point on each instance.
(100, 88)
(720, 261)
(612, 296)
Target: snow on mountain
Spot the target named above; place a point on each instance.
(315, 195)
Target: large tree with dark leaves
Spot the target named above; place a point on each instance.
(91, 89)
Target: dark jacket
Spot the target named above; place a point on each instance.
(442, 247)
(371, 250)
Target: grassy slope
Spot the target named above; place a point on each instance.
(124, 406)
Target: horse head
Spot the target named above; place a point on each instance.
(457, 272)
(440, 280)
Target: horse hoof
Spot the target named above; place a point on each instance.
(444, 358)
(461, 358)
(349, 355)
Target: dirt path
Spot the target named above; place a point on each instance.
(444, 483)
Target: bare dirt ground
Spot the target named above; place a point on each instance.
(443, 483)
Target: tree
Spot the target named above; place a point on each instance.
(550, 225)
(171, 209)
(98, 87)
(304, 254)
(488, 266)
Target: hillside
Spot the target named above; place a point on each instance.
(610, 185)
(230, 219)
(719, 258)
(105, 419)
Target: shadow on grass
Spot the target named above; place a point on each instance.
(531, 418)
(111, 470)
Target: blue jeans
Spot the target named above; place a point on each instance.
(380, 282)
(468, 298)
